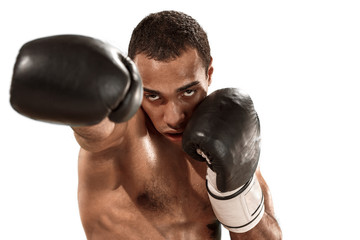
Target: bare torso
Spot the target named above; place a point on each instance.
(146, 189)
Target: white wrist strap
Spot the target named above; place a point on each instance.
(239, 210)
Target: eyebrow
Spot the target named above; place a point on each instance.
(180, 89)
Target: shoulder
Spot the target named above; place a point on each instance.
(137, 126)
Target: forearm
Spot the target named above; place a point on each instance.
(95, 132)
(268, 228)
(100, 136)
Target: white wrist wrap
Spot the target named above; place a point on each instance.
(238, 210)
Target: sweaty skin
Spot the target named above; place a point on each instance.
(135, 181)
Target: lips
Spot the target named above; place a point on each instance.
(174, 136)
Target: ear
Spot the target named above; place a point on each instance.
(210, 71)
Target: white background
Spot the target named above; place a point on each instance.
(299, 60)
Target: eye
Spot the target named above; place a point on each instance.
(152, 97)
(189, 93)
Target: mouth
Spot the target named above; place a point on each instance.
(174, 137)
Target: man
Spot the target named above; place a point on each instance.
(135, 179)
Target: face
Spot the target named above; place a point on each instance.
(172, 90)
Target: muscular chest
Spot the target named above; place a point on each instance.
(155, 179)
(168, 181)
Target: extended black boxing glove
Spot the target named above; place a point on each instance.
(224, 131)
(74, 80)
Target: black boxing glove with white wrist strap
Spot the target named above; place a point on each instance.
(224, 131)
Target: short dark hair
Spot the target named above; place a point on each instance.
(163, 36)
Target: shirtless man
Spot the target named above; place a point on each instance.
(135, 179)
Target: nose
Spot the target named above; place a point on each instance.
(174, 115)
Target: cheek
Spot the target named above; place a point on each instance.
(200, 96)
(152, 112)
(190, 105)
